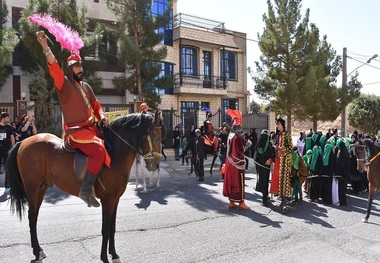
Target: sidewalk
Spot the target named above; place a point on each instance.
(169, 168)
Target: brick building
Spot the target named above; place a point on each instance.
(206, 60)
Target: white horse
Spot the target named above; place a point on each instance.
(154, 175)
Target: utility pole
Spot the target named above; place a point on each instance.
(344, 114)
(344, 94)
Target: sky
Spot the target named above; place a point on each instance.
(353, 24)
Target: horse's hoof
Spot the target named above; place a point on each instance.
(116, 260)
(364, 220)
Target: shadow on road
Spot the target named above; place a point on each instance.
(359, 202)
(157, 195)
(202, 196)
(4, 198)
(311, 213)
(53, 195)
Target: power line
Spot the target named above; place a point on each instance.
(363, 62)
(372, 83)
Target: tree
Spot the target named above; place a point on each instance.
(286, 45)
(139, 49)
(364, 112)
(347, 94)
(255, 107)
(43, 91)
(321, 96)
(8, 41)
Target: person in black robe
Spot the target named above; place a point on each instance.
(342, 169)
(328, 168)
(264, 158)
(315, 170)
(199, 155)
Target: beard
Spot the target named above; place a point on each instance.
(78, 77)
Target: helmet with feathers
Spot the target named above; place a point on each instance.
(236, 120)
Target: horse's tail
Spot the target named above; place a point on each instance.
(17, 190)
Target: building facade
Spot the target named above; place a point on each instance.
(206, 61)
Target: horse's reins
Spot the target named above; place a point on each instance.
(373, 158)
(259, 164)
(244, 139)
(150, 155)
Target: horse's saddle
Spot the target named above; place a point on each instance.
(80, 161)
(209, 140)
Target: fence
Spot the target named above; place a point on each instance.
(56, 112)
(10, 108)
(253, 120)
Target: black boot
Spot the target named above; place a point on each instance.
(283, 206)
(85, 190)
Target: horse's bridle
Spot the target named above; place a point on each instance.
(366, 156)
(150, 155)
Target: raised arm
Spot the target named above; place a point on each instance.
(55, 71)
(41, 38)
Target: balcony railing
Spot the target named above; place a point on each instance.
(200, 81)
(182, 19)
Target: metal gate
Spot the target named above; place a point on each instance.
(171, 119)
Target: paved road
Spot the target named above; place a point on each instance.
(188, 221)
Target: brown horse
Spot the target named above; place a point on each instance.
(40, 161)
(367, 157)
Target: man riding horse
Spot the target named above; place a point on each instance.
(80, 111)
(209, 136)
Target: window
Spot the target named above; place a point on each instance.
(105, 47)
(228, 65)
(159, 7)
(189, 61)
(166, 71)
(228, 104)
(206, 65)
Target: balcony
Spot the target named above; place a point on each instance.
(200, 85)
(198, 23)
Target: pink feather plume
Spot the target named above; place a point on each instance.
(65, 35)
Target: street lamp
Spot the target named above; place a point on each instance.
(23, 95)
(368, 61)
(344, 115)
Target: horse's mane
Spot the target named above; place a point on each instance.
(133, 128)
(373, 148)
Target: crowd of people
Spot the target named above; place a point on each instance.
(318, 165)
(10, 133)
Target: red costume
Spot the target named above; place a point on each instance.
(233, 186)
(209, 136)
(80, 108)
(274, 185)
(234, 170)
